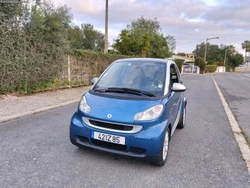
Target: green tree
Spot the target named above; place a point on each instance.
(9, 12)
(100, 41)
(143, 37)
(143, 26)
(75, 37)
(89, 36)
(126, 45)
(235, 60)
(216, 53)
(199, 50)
(92, 39)
(181, 54)
(158, 47)
(145, 44)
(171, 42)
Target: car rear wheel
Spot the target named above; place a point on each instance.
(161, 159)
(182, 121)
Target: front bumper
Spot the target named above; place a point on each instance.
(146, 143)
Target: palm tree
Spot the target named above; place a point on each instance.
(246, 45)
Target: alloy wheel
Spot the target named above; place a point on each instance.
(165, 146)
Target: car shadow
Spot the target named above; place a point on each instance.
(111, 158)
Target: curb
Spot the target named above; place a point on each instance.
(8, 118)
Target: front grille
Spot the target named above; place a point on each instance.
(114, 127)
(109, 145)
(111, 125)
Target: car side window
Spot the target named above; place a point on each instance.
(174, 78)
(178, 74)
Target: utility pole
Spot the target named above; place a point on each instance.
(225, 60)
(106, 28)
(205, 56)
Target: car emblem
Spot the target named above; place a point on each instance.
(109, 115)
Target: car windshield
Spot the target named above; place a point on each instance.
(140, 77)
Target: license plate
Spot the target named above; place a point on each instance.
(108, 138)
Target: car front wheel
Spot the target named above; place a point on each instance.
(182, 121)
(161, 159)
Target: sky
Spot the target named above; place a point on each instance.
(191, 22)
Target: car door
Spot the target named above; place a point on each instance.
(175, 96)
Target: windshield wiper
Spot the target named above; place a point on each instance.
(129, 90)
(100, 90)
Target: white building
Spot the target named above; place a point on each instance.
(221, 69)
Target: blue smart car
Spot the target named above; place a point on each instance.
(132, 109)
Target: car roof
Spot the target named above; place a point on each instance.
(156, 60)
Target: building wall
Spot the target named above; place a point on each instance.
(244, 68)
(220, 69)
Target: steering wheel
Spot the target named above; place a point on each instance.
(154, 82)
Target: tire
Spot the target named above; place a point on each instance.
(182, 121)
(162, 158)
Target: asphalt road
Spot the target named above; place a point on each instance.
(236, 89)
(36, 151)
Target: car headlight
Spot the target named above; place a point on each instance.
(83, 106)
(150, 114)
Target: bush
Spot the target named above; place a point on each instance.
(201, 63)
(210, 68)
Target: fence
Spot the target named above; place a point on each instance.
(190, 68)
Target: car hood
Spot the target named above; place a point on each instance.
(116, 110)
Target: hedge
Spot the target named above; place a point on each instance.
(210, 68)
(34, 73)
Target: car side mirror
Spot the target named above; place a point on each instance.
(94, 80)
(178, 87)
